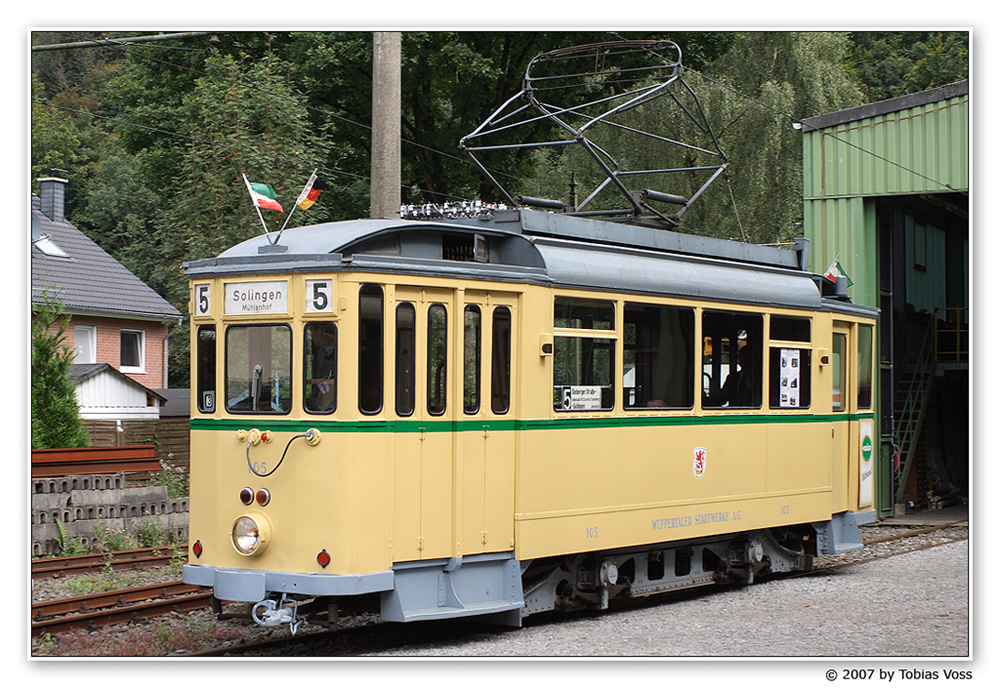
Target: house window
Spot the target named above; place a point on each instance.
(133, 352)
(85, 344)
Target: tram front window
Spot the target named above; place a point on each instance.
(320, 367)
(258, 369)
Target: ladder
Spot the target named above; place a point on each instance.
(911, 405)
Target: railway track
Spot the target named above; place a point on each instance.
(376, 636)
(128, 560)
(115, 606)
(120, 606)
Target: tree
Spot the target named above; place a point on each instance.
(55, 413)
(751, 96)
(894, 63)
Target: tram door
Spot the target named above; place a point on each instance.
(485, 461)
(421, 350)
(452, 401)
(841, 401)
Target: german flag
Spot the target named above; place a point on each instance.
(309, 194)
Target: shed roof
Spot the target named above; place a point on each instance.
(89, 279)
(884, 107)
(78, 372)
(177, 404)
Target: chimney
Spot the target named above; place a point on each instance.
(53, 195)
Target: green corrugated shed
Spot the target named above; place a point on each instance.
(886, 190)
(914, 144)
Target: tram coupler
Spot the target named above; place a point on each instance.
(270, 613)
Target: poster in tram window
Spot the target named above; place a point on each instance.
(789, 378)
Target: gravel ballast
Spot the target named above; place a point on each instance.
(911, 605)
(914, 605)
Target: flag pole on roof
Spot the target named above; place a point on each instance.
(837, 270)
(263, 196)
(306, 199)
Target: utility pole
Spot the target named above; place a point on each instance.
(386, 153)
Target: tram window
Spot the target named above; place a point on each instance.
(790, 329)
(473, 326)
(370, 355)
(205, 357)
(319, 367)
(583, 374)
(584, 314)
(865, 349)
(732, 354)
(839, 373)
(258, 369)
(406, 359)
(437, 359)
(658, 365)
(791, 378)
(500, 382)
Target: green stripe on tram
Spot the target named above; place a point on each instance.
(445, 425)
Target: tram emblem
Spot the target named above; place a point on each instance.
(700, 456)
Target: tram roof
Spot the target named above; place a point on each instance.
(542, 248)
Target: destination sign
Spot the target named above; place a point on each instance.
(245, 298)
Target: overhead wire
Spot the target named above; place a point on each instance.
(850, 144)
(126, 50)
(800, 124)
(330, 170)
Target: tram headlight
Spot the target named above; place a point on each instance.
(251, 534)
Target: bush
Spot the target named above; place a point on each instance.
(113, 540)
(55, 412)
(173, 478)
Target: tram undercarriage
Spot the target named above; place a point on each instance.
(588, 581)
(594, 580)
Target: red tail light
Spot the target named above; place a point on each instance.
(323, 559)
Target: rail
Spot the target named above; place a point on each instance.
(116, 606)
(127, 560)
(48, 463)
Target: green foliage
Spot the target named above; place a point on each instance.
(894, 63)
(151, 533)
(174, 478)
(108, 579)
(105, 540)
(789, 76)
(750, 97)
(55, 412)
(156, 180)
(68, 548)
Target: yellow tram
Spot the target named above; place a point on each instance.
(516, 413)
